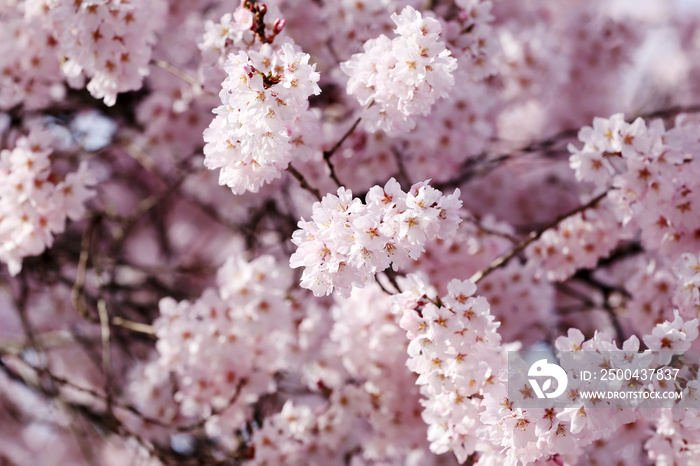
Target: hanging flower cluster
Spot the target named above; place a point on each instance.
(347, 241)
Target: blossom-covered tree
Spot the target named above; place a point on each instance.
(311, 233)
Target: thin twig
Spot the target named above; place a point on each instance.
(42, 341)
(195, 425)
(478, 164)
(137, 153)
(77, 294)
(304, 184)
(258, 26)
(489, 231)
(177, 72)
(391, 276)
(329, 153)
(140, 210)
(505, 258)
(587, 277)
(574, 293)
(564, 310)
(106, 350)
(21, 304)
(133, 326)
(402, 175)
(79, 436)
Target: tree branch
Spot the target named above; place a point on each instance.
(329, 153)
(505, 258)
(177, 72)
(304, 184)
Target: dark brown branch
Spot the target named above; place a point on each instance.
(258, 26)
(489, 231)
(304, 184)
(479, 164)
(391, 276)
(140, 210)
(402, 175)
(77, 294)
(329, 153)
(672, 111)
(533, 236)
(383, 287)
(607, 290)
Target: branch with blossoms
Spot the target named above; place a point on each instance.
(254, 234)
(503, 260)
(478, 165)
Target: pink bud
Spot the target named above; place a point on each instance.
(278, 26)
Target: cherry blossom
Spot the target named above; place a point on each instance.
(401, 77)
(36, 201)
(343, 232)
(257, 129)
(347, 242)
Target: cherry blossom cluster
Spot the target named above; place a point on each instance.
(232, 33)
(34, 200)
(328, 433)
(672, 337)
(355, 22)
(264, 121)
(150, 389)
(367, 320)
(653, 172)
(242, 328)
(676, 437)
(578, 242)
(401, 77)
(527, 435)
(472, 38)
(652, 289)
(521, 298)
(531, 434)
(454, 349)
(171, 131)
(108, 41)
(347, 241)
(598, 48)
(140, 335)
(361, 400)
(459, 129)
(232, 30)
(28, 75)
(656, 287)
(687, 292)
